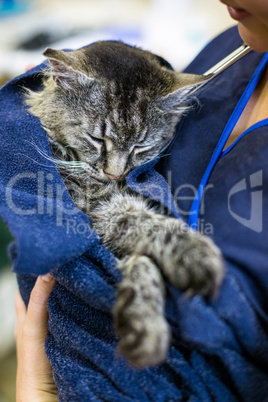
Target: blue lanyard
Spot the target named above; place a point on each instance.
(194, 212)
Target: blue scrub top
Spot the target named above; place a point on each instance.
(224, 194)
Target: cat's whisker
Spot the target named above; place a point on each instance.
(70, 164)
(110, 117)
(76, 166)
(41, 152)
(38, 163)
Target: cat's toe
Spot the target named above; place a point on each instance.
(139, 313)
(198, 267)
(145, 341)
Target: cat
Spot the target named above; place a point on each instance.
(107, 109)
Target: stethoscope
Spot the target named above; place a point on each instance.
(228, 61)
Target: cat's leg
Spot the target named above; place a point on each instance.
(187, 258)
(153, 243)
(139, 313)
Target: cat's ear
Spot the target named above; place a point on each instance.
(183, 89)
(67, 68)
(190, 82)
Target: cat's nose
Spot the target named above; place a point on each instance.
(112, 177)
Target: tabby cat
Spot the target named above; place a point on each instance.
(107, 109)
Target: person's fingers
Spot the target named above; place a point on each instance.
(34, 372)
(37, 315)
(20, 315)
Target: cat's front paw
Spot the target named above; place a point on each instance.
(139, 314)
(194, 264)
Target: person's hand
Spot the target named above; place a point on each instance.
(34, 374)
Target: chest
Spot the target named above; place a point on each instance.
(255, 110)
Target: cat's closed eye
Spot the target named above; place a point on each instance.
(109, 108)
(114, 118)
(97, 142)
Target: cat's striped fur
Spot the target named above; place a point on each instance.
(107, 109)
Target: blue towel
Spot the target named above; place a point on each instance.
(219, 347)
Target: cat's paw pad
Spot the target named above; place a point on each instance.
(197, 266)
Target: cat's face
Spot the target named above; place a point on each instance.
(111, 136)
(113, 107)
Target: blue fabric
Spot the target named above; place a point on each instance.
(28, 204)
(147, 181)
(219, 347)
(193, 217)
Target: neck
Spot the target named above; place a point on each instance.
(256, 109)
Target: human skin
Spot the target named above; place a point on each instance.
(34, 374)
(253, 24)
(252, 17)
